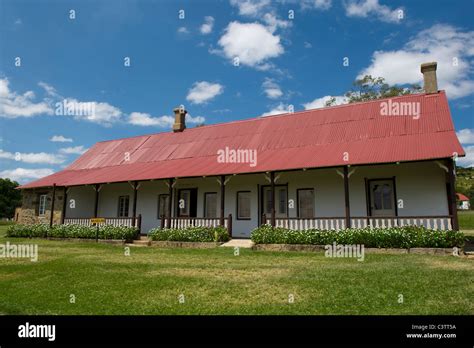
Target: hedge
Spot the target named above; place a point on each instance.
(72, 231)
(190, 234)
(395, 237)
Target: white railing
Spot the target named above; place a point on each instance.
(331, 223)
(113, 221)
(339, 223)
(430, 222)
(197, 222)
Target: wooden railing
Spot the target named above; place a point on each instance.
(323, 223)
(184, 222)
(442, 222)
(113, 221)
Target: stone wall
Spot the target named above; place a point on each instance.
(28, 213)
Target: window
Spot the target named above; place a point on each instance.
(163, 201)
(281, 201)
(123, 206)
(42, 205)
(184, 202)
(210, 205)
(243, 205)
(306, 203)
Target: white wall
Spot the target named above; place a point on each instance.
(421, 186)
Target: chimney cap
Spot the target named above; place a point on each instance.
(180, 109)
(429, 66)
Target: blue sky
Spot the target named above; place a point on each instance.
(290, 53)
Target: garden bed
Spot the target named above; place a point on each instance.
(189, 245)
(79, 232)
(395, 237)
(190, 234)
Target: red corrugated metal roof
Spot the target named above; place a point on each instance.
(306, 139)
(462, 197)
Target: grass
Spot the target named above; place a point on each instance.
(466, 220)
(105, 281)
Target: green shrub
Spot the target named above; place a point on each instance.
(395, 237)
(72, 231)
(190, 234)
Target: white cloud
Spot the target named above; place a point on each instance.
(252, 43)
(250, 7)
(316, 4)
(279, 109)
(372, 8)
(207, 26)
(40, 157)
(321, 102)
(307, 44)
(13, 105)
(466, 136)
(21, 174)
(50, 90)
(274, 23)
(183, 30)
(60, 139)
(73, 150)
(449, 46)
(271, 88)
(468, 160)
(203, 91)
(102, 113)
(144, 119)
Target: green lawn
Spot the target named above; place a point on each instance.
(150, 280)
(466, 220)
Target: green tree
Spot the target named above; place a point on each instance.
(372, 88)
(10, 198)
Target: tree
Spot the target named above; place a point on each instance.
(10, 198)
(372, 88)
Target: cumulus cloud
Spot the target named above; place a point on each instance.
(271, 88)
(183, 30)
(321, 102)
(203, 91)
(316, 4)
(74, 150)
(207, 26)
(22, 174)
(252, 43)
(466, 136)
(451, 47)
(251, 8)
(277, 110)
(144, 119)
(372, 9)
(468, 160)
(13, 105)
(60, 139)
(39, 157)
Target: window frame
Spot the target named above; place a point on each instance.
(159, 213)
(204, 213)
(369, 199)
(298, 202)
(237, 205)
(45, 195)
(127, 197)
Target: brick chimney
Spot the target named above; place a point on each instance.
(179, 119)
(429, 77)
